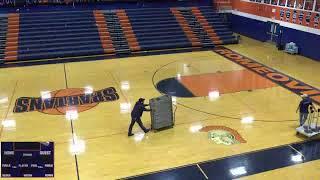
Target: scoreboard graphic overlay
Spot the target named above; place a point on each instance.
(27, 159)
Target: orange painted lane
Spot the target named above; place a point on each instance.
(225, 82)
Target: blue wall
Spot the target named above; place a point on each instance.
(249, 27)
(308, 43)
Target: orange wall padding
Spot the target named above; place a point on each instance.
(273, 12)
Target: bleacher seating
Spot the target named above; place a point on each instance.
(67, 34)
(59, 34)
(157, 29)
(221, 27)
(3, 38)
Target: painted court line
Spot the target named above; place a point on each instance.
(72, 127)
(204, 174)
(296, 151)
(251, 162)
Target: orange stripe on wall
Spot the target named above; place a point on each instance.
(104, 35)
(185, 26)
(127, 30)
(12, 37)
(273, 12)
(253, 8)
(206, 26)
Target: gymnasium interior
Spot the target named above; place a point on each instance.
(224, 89)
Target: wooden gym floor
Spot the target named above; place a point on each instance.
(106, 152)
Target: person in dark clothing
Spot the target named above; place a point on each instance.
(136, 114)
(303, 108)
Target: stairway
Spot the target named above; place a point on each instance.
(117, 35)
(157, 29)
(205, 38)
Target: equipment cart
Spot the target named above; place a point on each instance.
(312, 127)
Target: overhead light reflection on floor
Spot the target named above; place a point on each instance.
(4, 100)
(88, 90)
(139, 136)
(77, 146)
(297, 158)
(9, 124)
(195, 128)
(247, 120)
(45, 94)
(125, 85)
(72, 114)
(178, 76)
(238, 171)
(213, 95)
(125, 107)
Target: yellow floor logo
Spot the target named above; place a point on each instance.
(223, 135)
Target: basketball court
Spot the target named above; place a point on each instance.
(216, 95)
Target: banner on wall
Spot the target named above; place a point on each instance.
(310, 19)
(13, 3)
(289, 15)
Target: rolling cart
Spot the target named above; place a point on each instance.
(312, 127)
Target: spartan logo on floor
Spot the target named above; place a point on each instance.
(223, 135)
(61, 100)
